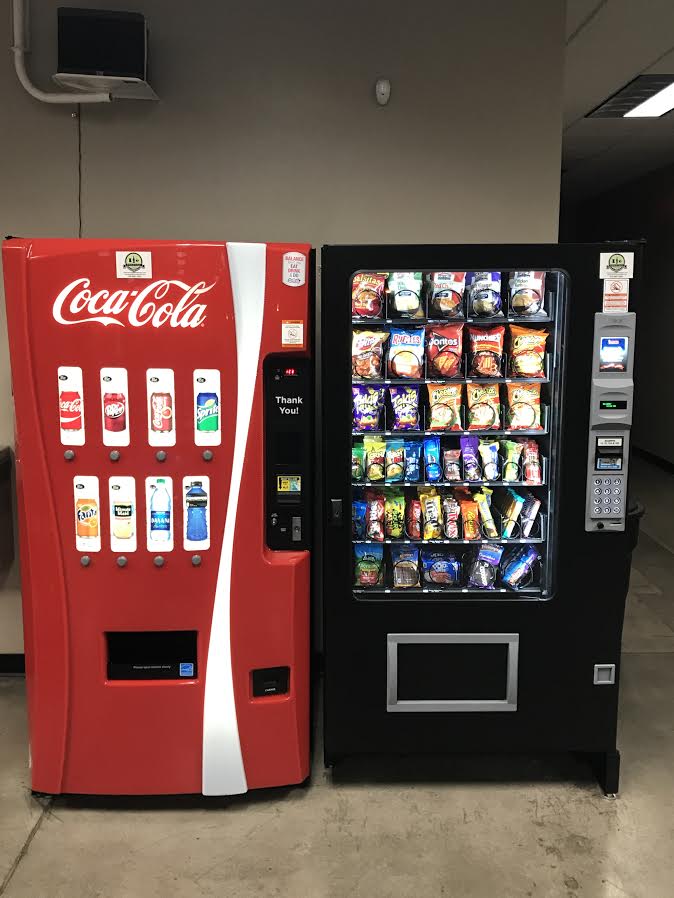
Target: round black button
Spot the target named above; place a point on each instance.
(207, 455)
(85, 561)
(122, 561)
(115, 455)
(69, 455)
(161, 455)
(196, 560)
(158, 561)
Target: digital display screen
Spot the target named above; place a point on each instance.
(606, 405)
(613, 353)
(609, 463)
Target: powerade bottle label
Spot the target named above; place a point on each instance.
(160, 520)
(208, 412)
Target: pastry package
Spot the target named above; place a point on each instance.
(531, 463)
(444, 345)
(471, 462)
(395, 461)
(444, 404)
(484, 293)
(432, 459)
(445, 294)
(367, 295)
(483, 567)
(431, 513)
(374, 529)
(394, 514)
(405, 405)
(358, 519)
(486, 517)
(368, 565)
(529, 512)
(405, 291)
(413, 522)
(517, 567)
(485, 357)
(405, 563)
(367, 352)
(488, 450)
(450, 517)
(527, 351)
(523, 411)
(527, 292)
(484, 409)
(406, 352)
(440, 567)
(368, 404)
(512, 452)
(375, 457)
(358, 462)
(412, 460)
(451, 464)
(470, 518)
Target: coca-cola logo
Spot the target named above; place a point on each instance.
(161, 302)
(71, 405)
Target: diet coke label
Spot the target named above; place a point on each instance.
(161, 302)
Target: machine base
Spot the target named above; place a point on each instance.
(606, 767)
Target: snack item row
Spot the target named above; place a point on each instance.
(485, 567)
(483, 409)
(458, 513)
(447, 294)
(442, 347)
(396, 460)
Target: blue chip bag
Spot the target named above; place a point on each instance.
(358, 518)
(441, 567)
(368, 565)
(413, 460)
(432, 459)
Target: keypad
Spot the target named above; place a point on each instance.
(607, 497)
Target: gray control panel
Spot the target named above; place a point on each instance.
(610, 421)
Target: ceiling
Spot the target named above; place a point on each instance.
(609, 42)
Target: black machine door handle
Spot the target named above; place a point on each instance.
(336, 512)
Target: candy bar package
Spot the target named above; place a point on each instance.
(395, 461)
(510, 505)
(512, 452)
(432, 459)
(490, 461)
(486, 517)
(431, 513)
(358, 519)
(394, 514)
(451, 464)
(405, 405)
(375, 516)
(413, 519)
(444, 345)
(367, 352)
(357, 462)
(517, 567)
(406, 352)
(529, 512)
(412, 460)
(471, 462)
(483, 567)
(405, 294)
(484, 294)
(485, 357)
(531, 462)
(367, 295)
(445, 294)
(405, 562)
(444, 404)
(368, 565)
(527, 292)
(527, 351)
(368, 404)
(484, 409)
(441, 567)
(375, 458)
(450, 517)
(470, 519)
(523, 411)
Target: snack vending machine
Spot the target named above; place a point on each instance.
(163, 396)
(476, 542)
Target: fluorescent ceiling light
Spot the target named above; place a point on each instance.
(655, 106)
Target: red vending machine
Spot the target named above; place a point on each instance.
(163, 442)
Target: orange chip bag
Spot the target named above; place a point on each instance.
(367, 295)
(367, 351)
(524, 407)
(444, 401)
(484, 409)
(527, 351)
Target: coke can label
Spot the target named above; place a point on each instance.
(70, 409)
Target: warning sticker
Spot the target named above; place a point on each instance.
(289, 483)
(616, 295)
(620, 265)
(292, 333)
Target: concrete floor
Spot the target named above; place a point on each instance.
(522, 828)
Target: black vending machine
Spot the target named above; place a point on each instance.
(476, 539)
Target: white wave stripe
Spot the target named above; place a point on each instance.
(222, 764)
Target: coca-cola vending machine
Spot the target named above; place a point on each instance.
(163, 441)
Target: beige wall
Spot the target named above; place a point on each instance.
(267, 128)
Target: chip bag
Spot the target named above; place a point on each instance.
(485, 358)
(431, 513)
(432, 460)
(531, 462)
(405, 289)
(367, 295)
(527, 351)
(406, 352)
(445, 293)
(368, 404)
(367, 352)
(524, 407)
(375, 516)
(444, 345)
(394, 514)
(471, 461)
(511, 461)
(444, 402)
(368, 565)
(358, 518)
(440, 567)
(405, 405)
(405, 561)
(484, 293)
(490, 461)
(412, 460)
(527, 290)
(375, 458)
(484, 410)
(357, 462)
(395, 461)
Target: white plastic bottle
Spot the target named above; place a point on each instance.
(160, 513)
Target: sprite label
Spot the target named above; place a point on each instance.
(208, 412)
